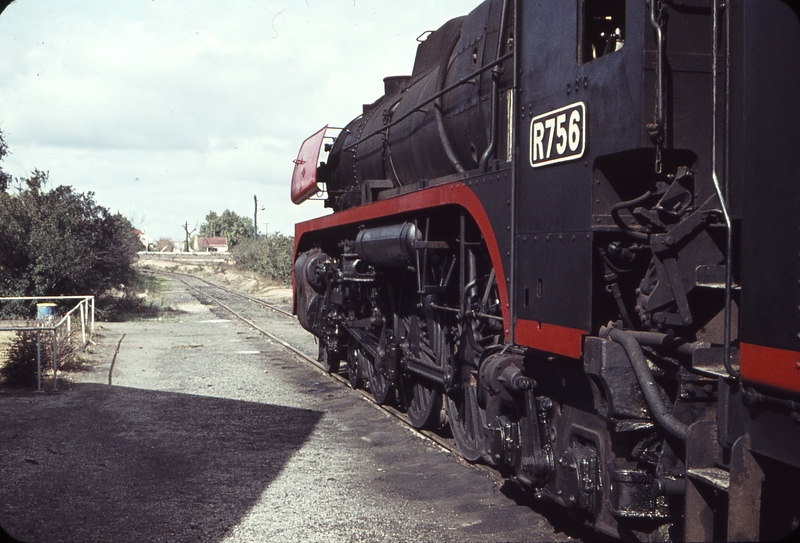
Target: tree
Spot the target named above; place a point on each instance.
(5, 179)
(164, 245)
(229, 225)
(60, 242)
(188, 233)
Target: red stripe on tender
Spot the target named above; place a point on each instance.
(550, 337)
(452, 193)
(775, 368)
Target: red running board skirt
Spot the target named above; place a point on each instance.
(774, 368)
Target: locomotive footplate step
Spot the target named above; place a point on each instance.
(716, 477)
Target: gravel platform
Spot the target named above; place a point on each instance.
(210, 432)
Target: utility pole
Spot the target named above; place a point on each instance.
(255, 217)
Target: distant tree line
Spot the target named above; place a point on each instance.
(270, 256)
(229, 225)
(60, 242)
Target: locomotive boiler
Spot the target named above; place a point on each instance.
(572, 236)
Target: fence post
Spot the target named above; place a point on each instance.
(55, 358)
(39, 360)
(84, 311)
(92, 315)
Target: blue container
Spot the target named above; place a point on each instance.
(45, 311)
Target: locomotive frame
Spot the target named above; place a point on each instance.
(576, 228)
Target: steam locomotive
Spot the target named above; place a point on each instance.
(572, 235)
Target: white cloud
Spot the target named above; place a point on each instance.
(205, 103)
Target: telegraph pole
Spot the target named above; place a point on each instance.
(255, 217)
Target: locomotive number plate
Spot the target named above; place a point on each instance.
(558, 135)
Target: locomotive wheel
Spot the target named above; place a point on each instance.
(425, 406)
(422, 398)
(379, 385)
(467, 419)
(355, 365)
(330, 360)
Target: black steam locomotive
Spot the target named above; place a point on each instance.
(575, 229)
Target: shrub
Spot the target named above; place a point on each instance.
(134, 302)
(270, 256)
(20, 368)
(60, 242)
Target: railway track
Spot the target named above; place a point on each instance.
(239, 305)
(259, 301)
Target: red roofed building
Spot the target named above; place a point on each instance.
(211, 245)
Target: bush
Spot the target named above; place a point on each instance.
(20, 368)
(123, 308)
(270, 256)
(133, 301)
(60, 242)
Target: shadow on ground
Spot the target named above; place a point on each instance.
(101, 463)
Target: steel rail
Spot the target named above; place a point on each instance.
(230, 290)
(443, 443)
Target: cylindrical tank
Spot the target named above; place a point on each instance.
(390, 246)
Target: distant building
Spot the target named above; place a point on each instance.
(210, 245)
(143, 238)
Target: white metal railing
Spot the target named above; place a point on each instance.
(83, 310)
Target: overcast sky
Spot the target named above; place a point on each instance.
(167, 109)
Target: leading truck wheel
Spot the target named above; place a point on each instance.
(466, 418)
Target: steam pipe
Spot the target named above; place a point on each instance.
(496, 71)
(668, 341)
(647, 383)
(441, 79)
(630, 230)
